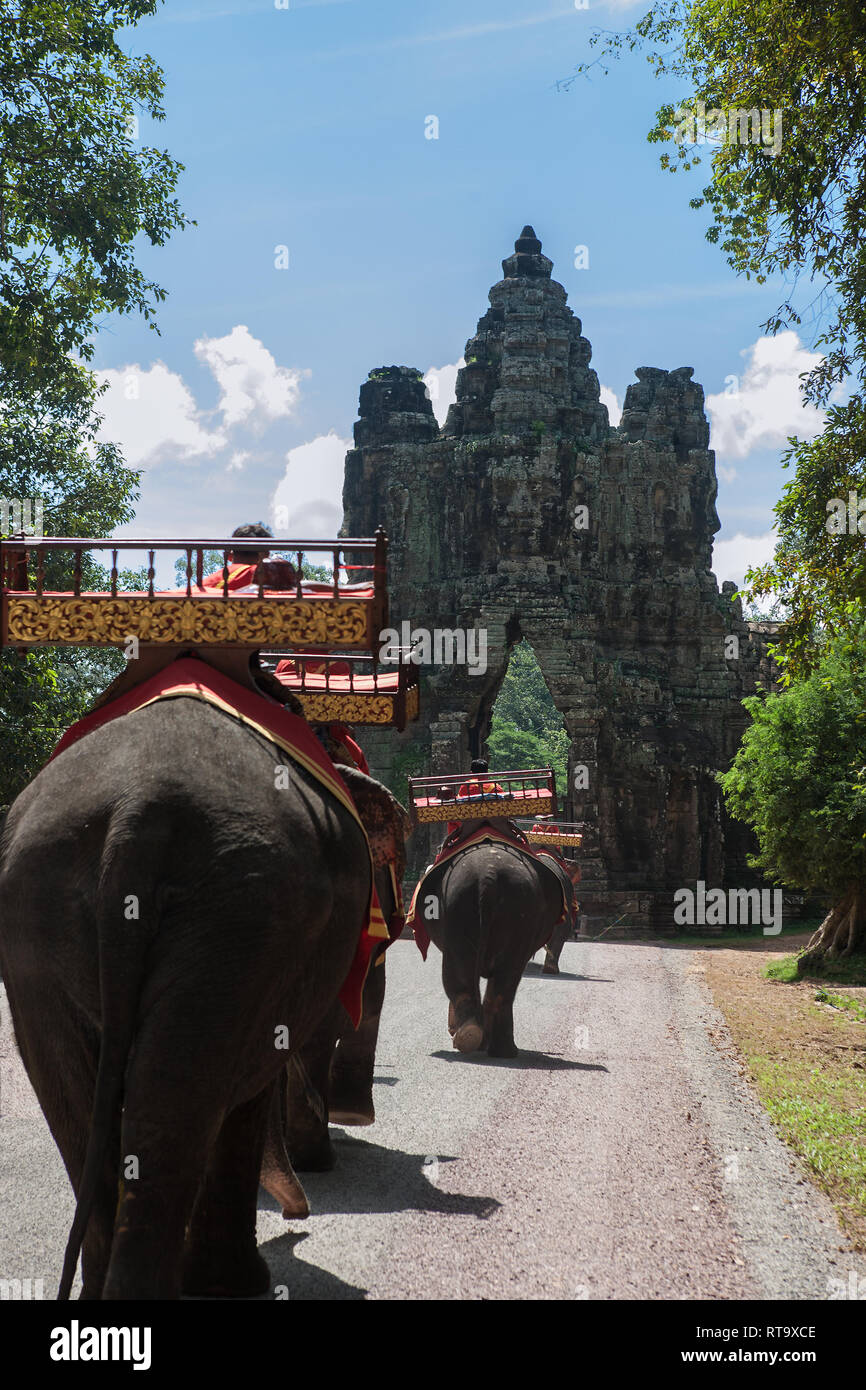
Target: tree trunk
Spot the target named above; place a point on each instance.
(842, 932)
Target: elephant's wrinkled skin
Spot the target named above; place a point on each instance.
(497, 907)
(165, 911)
(338, 1061)
(568, 875)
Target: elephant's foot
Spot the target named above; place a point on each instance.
(551, 966)
(351, 1098)
(349, 1114)
(225, 1273)
(285, 1188)
(313, 1157)
(468, 1037)
(502, 1048)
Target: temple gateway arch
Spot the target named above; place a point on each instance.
(527, 515)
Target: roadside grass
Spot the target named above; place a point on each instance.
(754, 937)
(804, 1049)
(841, 972)
(821, 1114)
(841, 1001)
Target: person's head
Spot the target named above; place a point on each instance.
(478, 765)
(250, 557)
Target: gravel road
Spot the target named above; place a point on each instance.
(621, 1156)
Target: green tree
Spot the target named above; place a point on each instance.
(798, 210)
(49, 688)
(799, 780)
(526, 727)
(76, 190)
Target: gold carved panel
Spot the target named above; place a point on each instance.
(320, 707)
(97, 619)
(484, 810)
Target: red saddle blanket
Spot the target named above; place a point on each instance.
(191, 678)
(484, 832)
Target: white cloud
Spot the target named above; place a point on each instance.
(308, 500)
(610, 399)
(727, 475)
(767, 405)
(253, 388)
(150, 412)
(441, 383)
(732, 558)
(154, 417)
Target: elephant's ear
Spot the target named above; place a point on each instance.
(386, 822)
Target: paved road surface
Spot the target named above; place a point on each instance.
(620, 1156)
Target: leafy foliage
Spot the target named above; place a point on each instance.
(800, 213)
(48, 689)
(527, 728)
(409, 762)
(818, 576)
(799, 777)
(76, 191)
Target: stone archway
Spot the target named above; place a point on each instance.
(528, 512)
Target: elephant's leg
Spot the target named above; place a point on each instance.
(553, 949)
(60, 1056)
(499, 1013)
(460, 981)
(152, 1213)
(175, 1105)
(307, 1098)
(96, 1246)
(351, 1091)
(278, 1177)
(221, 1259)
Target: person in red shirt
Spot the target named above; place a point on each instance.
(243, 564)
(472, 788)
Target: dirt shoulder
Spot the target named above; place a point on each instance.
(803, 1048)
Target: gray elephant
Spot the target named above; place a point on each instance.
(331, 1080)
(568, 875)
(493, 906)
(171, 916)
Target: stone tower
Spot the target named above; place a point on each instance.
(528, 516)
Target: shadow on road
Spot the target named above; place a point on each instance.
(533, 969)
(304, 1281)
(370, 1178)
(524, 1061)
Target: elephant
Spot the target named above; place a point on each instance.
(569, 875)
(497, 906)
(171, 914)
(334, 1081)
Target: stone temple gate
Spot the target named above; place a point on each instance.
(527, 515)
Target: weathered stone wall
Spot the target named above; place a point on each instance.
(625, 616)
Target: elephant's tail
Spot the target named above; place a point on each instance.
(123, 928)
(486, 912)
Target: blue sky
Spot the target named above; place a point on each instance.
(304, 128)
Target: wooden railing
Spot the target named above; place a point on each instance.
(480, 795)
(42, 602)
